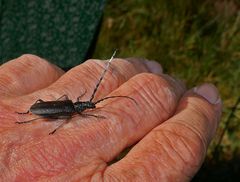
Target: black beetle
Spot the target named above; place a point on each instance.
(65, 109)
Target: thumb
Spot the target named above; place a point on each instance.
(176, 148)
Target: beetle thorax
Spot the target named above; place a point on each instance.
(81, 106)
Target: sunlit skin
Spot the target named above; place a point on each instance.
(171, 126)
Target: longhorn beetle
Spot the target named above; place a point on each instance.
(65, 109)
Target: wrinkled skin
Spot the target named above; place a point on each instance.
(172, 126)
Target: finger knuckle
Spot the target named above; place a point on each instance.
(157, 91)
(32, 60)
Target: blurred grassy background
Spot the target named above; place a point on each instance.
(195, 40)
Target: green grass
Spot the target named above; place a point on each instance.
(196, 41)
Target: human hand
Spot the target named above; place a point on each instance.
(174, 126)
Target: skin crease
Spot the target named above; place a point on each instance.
(172, 126)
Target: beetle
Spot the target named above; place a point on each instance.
(65, 109)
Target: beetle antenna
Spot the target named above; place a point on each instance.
(110, 97)
(102, 75)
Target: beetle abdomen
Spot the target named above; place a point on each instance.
(54, 109)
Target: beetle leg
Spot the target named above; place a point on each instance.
(78, 99)
(63, 96)
(52, 132)
(23, 112)
(29, 121)
(39, 101)
(96, 116)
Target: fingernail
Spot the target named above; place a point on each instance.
(209, 92)
(153, 66)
